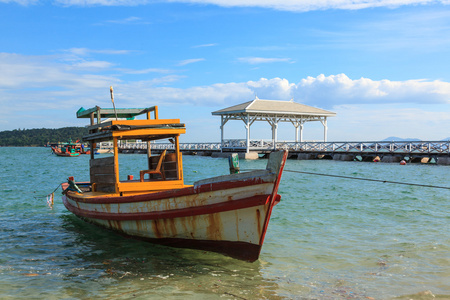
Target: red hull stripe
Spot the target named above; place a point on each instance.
(210, 187)
(174, 213)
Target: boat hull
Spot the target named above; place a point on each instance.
(58, 152)
(228, 214)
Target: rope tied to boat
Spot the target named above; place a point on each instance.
(369, 179)
(50, 197)
(365, 179)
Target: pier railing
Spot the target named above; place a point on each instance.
(433, 147)
(410, 147)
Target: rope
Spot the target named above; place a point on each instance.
(50, 197)
(36, 197)
(367, 179)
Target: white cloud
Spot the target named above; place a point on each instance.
(286, 5)
(262, 60)
(91, 65)
(126, 21)
(190, 61)
(45, 91)
(205, 45)
(86, 51)
(310, 5)
(321, 91)
(339, 89)
(102, 2)
(146, 71)
(129, 20)
(24, 72)
(275, 88)
(21, 2)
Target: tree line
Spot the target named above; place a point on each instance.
(40, 137)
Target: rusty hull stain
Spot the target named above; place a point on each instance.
(214, 229)
(156, 229)
(170, 227)
(236, 214)
(118, 225)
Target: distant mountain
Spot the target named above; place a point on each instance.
(40, 137)
(446, 139)
(397, 139)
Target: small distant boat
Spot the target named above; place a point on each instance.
(70, 149)
(228, 214)
(66, 150)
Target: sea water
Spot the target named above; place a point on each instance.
(329, 238)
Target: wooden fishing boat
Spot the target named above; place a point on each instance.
(66, 150)
(228, 214)
(70, 149)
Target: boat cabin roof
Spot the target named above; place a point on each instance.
(127, 113)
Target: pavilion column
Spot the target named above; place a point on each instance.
(296, 125)
(247, 127)
(301, 132)
(221, 133)
(325, 128)
(274, 132)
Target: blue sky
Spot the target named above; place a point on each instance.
(382, 65)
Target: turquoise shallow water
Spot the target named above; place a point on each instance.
(329, 238)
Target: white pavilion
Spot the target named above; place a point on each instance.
(273, 112)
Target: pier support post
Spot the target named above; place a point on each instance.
(442, 160)
(391, 158)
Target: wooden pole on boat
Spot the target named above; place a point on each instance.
(116, 164)
(112, 100)
(178, 158)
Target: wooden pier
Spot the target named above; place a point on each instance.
(395, 151)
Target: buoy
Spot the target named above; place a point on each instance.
(233, 161)
(403, 162)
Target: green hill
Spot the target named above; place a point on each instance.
(40, 137)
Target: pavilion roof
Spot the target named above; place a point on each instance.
(275, 107)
